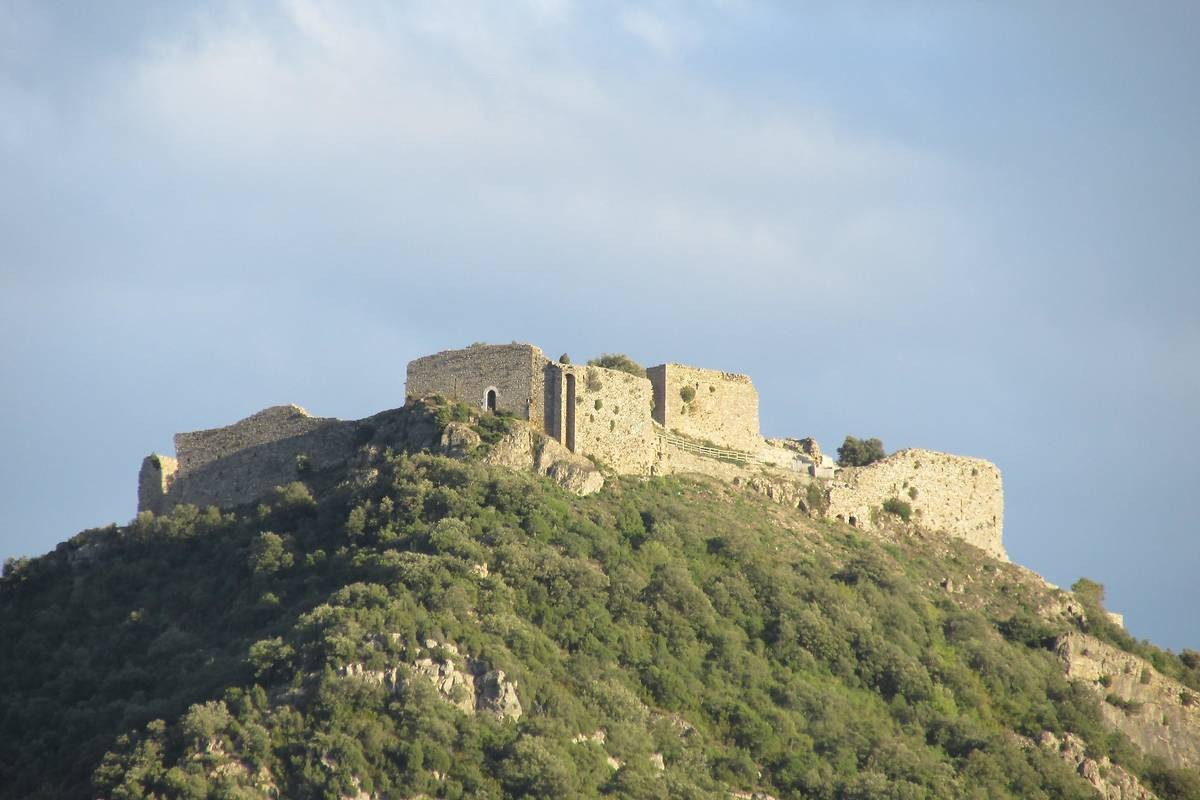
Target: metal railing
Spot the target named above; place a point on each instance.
(708, 451)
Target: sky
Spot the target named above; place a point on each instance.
(966, 227)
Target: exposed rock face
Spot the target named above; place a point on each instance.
(458, 439)
(525, 449)
(1160, 715)
(471, 685)
(497, 695)
(1110, 781)
(452, 683)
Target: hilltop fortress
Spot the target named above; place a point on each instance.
(583, 421)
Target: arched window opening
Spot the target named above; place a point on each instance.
(489, 400)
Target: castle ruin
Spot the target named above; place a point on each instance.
(674, 419)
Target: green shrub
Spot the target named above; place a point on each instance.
(620, 362)
(815, 499)
(897, 507)
(859, 452)
(1128, 706)
(687, 394)
(599, 404)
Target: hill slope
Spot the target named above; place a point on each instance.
(421, 626)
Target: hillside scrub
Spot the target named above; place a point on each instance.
(735, 642)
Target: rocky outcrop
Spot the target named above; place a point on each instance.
(524, 448)
(1109, 780)
(458, 439)
(468, 683)
(496, 694)
(1160, 715)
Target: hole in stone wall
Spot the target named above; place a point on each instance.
(853, 522)
(490, 400)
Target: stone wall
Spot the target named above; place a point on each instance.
(154, 481)
(723, 407)
(241, 462)
(515, 371)
(610, 419)
(961, 496)
(197, 448)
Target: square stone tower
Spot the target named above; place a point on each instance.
(499, 377)
(721, 407)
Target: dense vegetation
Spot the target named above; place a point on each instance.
(856, 452)
(208, 654)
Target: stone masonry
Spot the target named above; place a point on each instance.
(959, 495)
(241, 462)
(721, 407)
(515, 372)
(675, 419)
(605, 415)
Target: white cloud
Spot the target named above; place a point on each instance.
(665, 38)
(467, 122)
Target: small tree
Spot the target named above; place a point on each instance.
(859, 452)
(564, 359)
(619, 361)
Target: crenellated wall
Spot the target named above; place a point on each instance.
(959, 495)
(515, 371)
(723, 406)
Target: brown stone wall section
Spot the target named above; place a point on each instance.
(240, 463)
(197, 448)
(515, 370)
(959, 495)
(612, 418)
(723, 408)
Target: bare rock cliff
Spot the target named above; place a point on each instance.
(1159, 714)
(1109, 780)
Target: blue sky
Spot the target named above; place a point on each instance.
(966, 227)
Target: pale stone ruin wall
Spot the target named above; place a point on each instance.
(608, 415)
(516, 371)
(154, 481)
(241, 462)
(611, 416)
(959, 495)
(724, 409)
